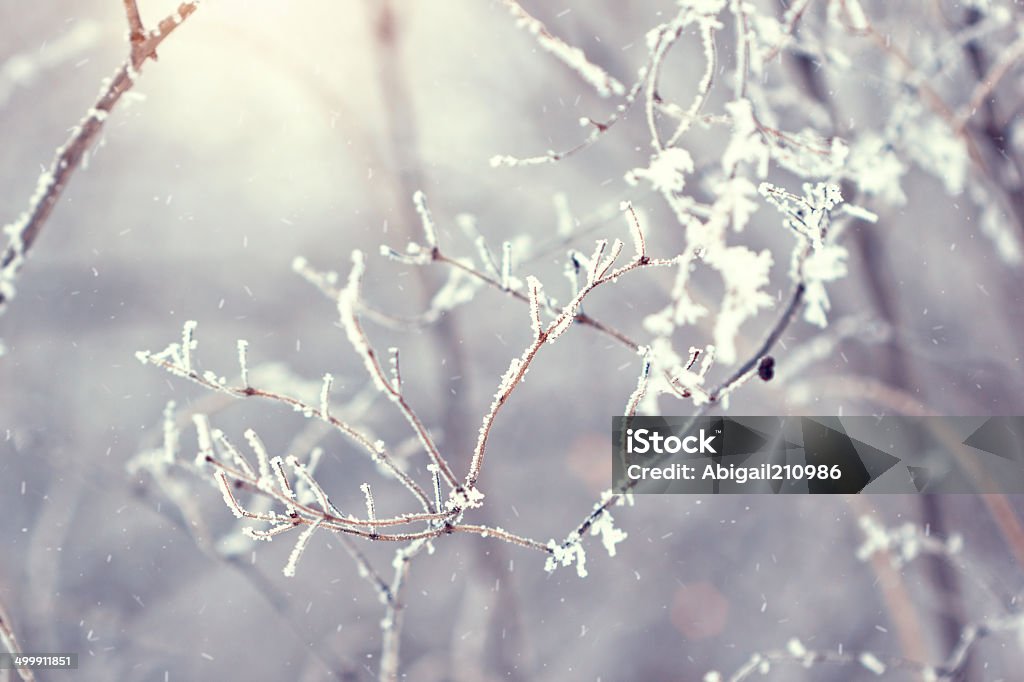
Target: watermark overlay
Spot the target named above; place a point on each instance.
(818, 455)
(38, 661)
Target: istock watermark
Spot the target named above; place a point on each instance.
(801, 455)
(644, 441)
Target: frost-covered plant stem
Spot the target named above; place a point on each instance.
(24, 231)
(394, 612)
(900, 545)
(9, 644)
(572, 57)
(167, 361)
(601, 273)
(348, 302)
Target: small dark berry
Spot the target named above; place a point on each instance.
(766, 368)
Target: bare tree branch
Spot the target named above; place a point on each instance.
(24, 231)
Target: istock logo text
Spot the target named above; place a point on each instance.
(644, 441)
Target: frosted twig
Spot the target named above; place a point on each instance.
(1008, 58)
(302, 514)
(790, 19)
(596, 260)
(188, 344)
(429, 230)
(641, 384)
(581, 317)
(300, 547)
(9, 643)
(535, 291)
(501, 534)
(949, 669)
(572, 57)
(268, 535)
(366, 569)
(283, 484)
(324, 281)
(239, 460)
(391, 625)
(136, 31)
(749, 366)
(347, 303)
(396, 370)
(564, 220)
(663, 41)
(795, 653)
(483, 251)
(639, 243)
(435, 477)
(739, 12)
(170, 432)
(229, 497)
(202, 424)
(371, 514)
(661, 38)
(325, 395)
(907, 542)
(243, 364)
(23, 232)
(318, 492)
(228, 478)
(513, 377)
(262, 457)
(377, 453)
(506, 265)
(686, 119)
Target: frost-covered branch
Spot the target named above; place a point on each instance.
(23, 232)
(902, 545)
(174, 360)
(9, 644)
(601, 272)
(573, 57)
(347, 308)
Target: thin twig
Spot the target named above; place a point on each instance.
(378, 454)
(10, 643)
(24, 231)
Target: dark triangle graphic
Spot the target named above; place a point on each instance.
(740, 440)
(1000, 436)
(921, 477)
(860, 463)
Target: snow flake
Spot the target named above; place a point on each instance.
(822, 265)
(604, 526)
(464, 498)
(931, 144)
(747, 143)
(744, 273)
(666, 172)
(876, 169)
(566, 554)
(871, 662)
(796, 648)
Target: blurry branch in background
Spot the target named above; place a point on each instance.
(573, 57)
(9, 644)
(23, 69)
(23, 232)
(899, 547)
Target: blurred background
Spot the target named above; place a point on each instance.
(269, 130)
